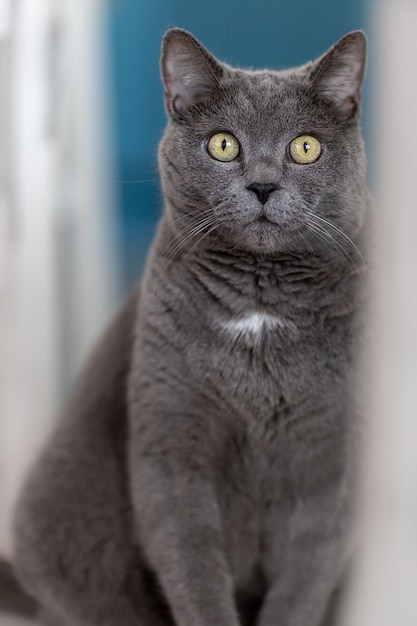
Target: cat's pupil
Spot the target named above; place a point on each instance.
(306, 147)
(224, 145)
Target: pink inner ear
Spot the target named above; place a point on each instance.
(347, 83)
(339, 89)
(189, 73)
(340, 73)
(176, 93)
(185, 87)
(343, 87)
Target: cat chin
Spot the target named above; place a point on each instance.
(265, 238)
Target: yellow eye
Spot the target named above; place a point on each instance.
(305, 149)
(223, 147)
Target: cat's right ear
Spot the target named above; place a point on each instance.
(338, 75)
(189, 72)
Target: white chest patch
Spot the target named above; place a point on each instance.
(255, 324)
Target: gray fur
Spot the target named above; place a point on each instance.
(202, 473)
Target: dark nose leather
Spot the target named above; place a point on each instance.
(262, 190)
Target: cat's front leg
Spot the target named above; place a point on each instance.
(178, 519)
(303, 589)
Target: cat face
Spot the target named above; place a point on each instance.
(263, 161)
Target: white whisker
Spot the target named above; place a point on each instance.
(202, 237)
(340, 232)
(324, 234)
(175, 246)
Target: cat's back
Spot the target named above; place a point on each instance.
(64, 512)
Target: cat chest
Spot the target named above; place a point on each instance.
(256, 326)
(266, 363)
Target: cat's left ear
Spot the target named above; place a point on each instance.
(189, 72)
(338, 75)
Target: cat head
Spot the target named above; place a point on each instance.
(263, 161)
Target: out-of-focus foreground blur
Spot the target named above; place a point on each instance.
(81, 114)
(58, 266)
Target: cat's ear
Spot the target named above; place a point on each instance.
(189, 72)
(338, 75)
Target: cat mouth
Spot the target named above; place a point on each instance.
(262, 224)
(263, 219)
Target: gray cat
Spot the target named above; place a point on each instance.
(202, 473)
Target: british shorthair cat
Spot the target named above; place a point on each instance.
(202, 472)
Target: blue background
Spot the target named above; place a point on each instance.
(257, 33)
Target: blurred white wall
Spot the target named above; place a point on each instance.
(384, 586)
(58, 276)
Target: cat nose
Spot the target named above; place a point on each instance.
(262, 190)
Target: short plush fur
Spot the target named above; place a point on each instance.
(202, 473)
